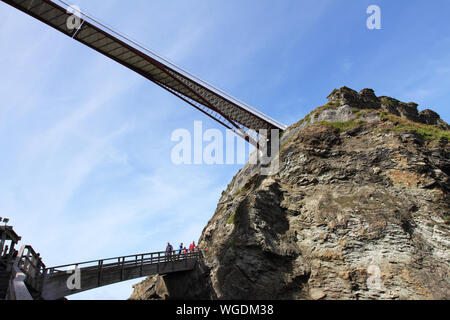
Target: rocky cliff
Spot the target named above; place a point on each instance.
(359, 210)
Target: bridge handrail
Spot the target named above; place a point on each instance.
(157, 257)
(29, 258)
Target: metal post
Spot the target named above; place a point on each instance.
(123, 266)
(100, 269)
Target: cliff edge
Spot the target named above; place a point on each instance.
(358, 210)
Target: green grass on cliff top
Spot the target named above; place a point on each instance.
(428, 132)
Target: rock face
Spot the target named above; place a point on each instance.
(358, 210)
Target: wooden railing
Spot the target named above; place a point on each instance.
(126, 261)
(37, 273)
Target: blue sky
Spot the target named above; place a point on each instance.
(86, 172)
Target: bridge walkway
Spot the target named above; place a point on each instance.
(61, 281)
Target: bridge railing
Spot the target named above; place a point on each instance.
(30, 263)
(126, 261)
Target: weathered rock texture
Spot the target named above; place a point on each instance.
(363, 182)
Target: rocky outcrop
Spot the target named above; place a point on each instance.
(366, 99)
(181, 285)
(358, 210)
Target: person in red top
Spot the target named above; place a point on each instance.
(192, 246)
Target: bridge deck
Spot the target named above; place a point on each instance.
(227, 110)
(98, 273)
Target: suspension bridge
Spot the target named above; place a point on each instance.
(242, 119)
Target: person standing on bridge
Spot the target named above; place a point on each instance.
(169, 250)
(192, 246)
(180, 251)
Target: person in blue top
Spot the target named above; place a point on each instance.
(180, 251)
